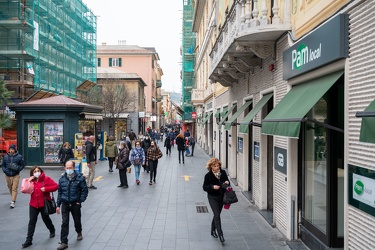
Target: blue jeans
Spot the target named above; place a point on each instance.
(137, 170)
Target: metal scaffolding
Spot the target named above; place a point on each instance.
(188, 58)
(46, 45)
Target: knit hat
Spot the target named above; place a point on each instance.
(13, 146)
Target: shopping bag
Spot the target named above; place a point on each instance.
(27, 187)
(129, 170)
(187, 151)
(230, 196)
(49, 205)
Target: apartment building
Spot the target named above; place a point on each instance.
(285, 95)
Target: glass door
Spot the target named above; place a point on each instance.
(53, 140)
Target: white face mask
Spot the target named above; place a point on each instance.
(37, 174)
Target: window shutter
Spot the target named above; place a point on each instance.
(119, 62)
(99, 62)
(110, 62)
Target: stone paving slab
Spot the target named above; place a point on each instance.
(160, 216)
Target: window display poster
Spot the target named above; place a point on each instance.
(78, 146)
(53, 140)
(33, 135)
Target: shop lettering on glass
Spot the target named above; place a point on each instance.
(280, 160)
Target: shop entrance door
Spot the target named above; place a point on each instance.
(33, 152)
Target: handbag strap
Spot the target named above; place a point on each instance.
(45, 193)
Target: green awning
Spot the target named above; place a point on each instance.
(367, 133)
(285, 119)
(217, 114)
(208, 115)
(244, 127)
(224, 117)
(228, 124)
(224, 112)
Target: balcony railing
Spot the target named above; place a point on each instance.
(197, 96)
(249, 33)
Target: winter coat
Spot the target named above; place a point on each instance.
(210, 180)
(37, 197)
(65, 154)
(146, 144)
(9, 160)
(180, 142)
(111, 149)
(137, 153)
(153, 153)
(90, 152)
(167, 142)
(73, 190)
(123, 156)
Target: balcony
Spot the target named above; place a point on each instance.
(158, 84)
(159, 99)
(197, 97)
(247, 37)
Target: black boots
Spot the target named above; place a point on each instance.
(221, 237)
(213, 233)
(26, 244)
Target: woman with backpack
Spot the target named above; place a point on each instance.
(137, 158)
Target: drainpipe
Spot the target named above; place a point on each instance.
(293, 218)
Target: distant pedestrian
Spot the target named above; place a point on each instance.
(43, 185)
(187, 133)
(13, 164)
(215, 183)
(192, 144)
(172, 135)
(153, 155)
(132, 137)
(137, 158)
(91, 160)
(65, 153)
(180, 142)
(140, 136)
(72, 192)
(167, 145)
(111, 151)
(123, 157)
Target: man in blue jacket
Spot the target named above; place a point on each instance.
(13, 164)
(71, 193)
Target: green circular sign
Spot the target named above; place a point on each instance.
(359, 187)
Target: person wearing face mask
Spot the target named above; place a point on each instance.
(43, 185)
(72, 192)
(145, 145)
(123, 158)
(153, 154)
(215, 183)
(137, 158)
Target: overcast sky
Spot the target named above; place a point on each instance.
(146, 23)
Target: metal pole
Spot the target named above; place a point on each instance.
(293, 210)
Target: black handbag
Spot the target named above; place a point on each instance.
(49, 205)
(230, 196)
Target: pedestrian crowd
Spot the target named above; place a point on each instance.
(140, 151)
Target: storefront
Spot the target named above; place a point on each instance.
(44, 125)
(313, 113)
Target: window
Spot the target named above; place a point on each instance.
(99, 62)
(115, 62)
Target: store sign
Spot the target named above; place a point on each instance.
(280, 162)
(193, 115)
(327, 44)
(364, 189)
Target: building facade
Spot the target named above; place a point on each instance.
(139, 60)
(285, 101)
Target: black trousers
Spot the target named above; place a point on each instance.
(33, 215)
(123, 177)
(110, 162)
(216, 204)
(181, 152)
(192, 149)
(153, 166)
(75, 210)
(168, 149)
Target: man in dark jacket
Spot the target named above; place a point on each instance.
(192, 144)
(13, 164)
(91, 160)
(71, 193)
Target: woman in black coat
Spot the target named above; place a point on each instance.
(123, 157)
(215, 183)
(65, 153)
(180, 142)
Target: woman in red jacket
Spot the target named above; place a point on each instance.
(43, 185)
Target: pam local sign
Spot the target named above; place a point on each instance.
(363, 189)
(327, 44)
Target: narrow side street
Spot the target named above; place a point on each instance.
(159, 216)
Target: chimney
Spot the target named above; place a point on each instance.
(121, 42)
(104, 44)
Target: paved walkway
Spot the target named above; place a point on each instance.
(160, 216)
